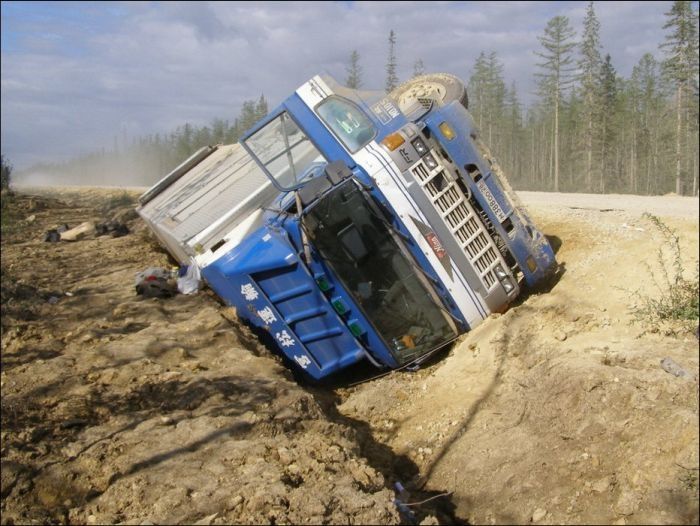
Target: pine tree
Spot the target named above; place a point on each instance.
(681, 66)
(608, 125)
(354, 71)
(418, 68)
(589, 65)
(557, 43)
(477, 88)
(513, 134)
(261, 108)
(5, 173)
(249, 115)
(392, 80)
(494, 99)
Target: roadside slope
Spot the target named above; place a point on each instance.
(558, 411)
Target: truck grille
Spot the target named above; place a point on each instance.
(461, 219)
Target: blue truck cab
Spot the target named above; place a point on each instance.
(377, 231)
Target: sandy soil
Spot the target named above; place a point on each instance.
(117, 408)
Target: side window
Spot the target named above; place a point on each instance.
(348, 122)
(285, 152)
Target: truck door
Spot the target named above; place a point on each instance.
(285, 152)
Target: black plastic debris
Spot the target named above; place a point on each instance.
(54, 235)
(156, 283)
(112, 228)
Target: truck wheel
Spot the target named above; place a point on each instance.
(443, 88)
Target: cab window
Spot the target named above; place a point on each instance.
(348, 122)
(285, 152)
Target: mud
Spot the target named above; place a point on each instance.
(123, 409)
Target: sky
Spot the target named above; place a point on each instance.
(75, 75)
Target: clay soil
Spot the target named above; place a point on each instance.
(122, 409)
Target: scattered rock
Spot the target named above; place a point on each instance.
(601, 485)
(235, 502)
(671, 367)
(560, 335)
(627, 503)
(538, 515)
(206, 520)
(285, 456)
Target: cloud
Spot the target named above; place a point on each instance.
(75, 76)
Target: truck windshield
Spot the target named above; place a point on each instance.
(347, 230)
(284, 151)
(348, 122)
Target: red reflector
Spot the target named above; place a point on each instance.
(435, 244)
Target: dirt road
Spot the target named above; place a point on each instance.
(117, 408)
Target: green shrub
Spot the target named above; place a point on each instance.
(675, 306)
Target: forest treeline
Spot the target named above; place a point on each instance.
(589, 129)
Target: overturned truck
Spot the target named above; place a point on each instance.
(351, 225)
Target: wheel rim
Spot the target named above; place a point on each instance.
(425, 89)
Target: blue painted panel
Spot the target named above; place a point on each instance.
(272, 290)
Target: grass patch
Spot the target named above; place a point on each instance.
(674, 308)
(9, 216)
(120, 200)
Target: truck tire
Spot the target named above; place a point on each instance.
(443, 88)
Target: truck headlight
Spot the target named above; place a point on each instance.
(430, 161)
(420, 146)
(500, 273)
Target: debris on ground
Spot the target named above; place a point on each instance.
(156, 283)
(79, 232)
(113, 228)
(189, 279)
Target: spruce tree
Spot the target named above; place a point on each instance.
(418, 68)
(354, 71)
(558, 45)
(589, 65)
(478, 87)
(392, 80)
(608, 124)
(681, 66)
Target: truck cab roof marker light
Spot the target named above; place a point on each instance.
(393, 141)
(447, 131)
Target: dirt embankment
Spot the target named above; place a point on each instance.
(558, 411)
(117, 408)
